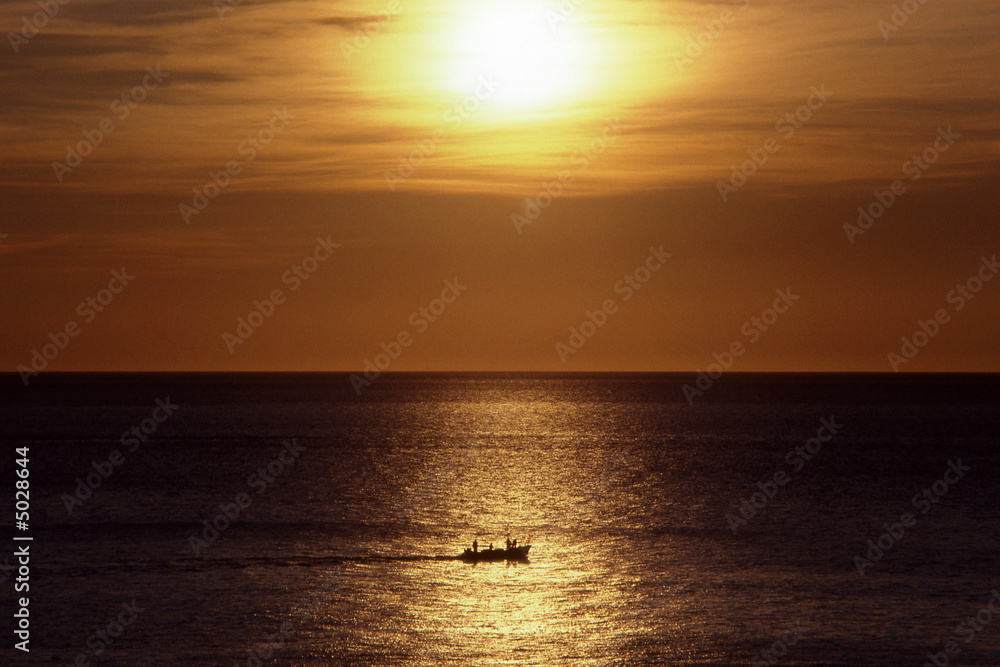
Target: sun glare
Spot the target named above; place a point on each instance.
(533, 52)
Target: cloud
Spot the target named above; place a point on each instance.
(356, 118)
(15, 244)
(349, 23)
(159, 13)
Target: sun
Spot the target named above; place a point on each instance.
(533, 52)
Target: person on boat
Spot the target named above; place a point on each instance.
(475, 545)
(491, 546)
(515, 544)
(508, 544)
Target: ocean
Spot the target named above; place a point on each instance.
(284, 519)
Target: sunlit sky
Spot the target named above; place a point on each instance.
(407, 136)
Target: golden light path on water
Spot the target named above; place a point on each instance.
(625, 493)
(492, 609)
(534, 466)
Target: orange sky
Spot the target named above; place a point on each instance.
(407, 135)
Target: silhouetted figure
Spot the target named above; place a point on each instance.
(475, 545)
(515, 544)
(508, 544)
(491, 546)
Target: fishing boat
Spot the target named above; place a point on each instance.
(491, 555)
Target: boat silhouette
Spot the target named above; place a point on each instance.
(492, 555)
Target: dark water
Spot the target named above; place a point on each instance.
(623, 487)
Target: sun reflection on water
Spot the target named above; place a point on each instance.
(473, 459)
(489, 460)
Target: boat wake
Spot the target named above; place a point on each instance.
(86, 568)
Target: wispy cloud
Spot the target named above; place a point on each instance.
(354, 120)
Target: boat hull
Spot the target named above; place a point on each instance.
(493, 555)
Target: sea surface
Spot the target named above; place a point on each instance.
(351, 509)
